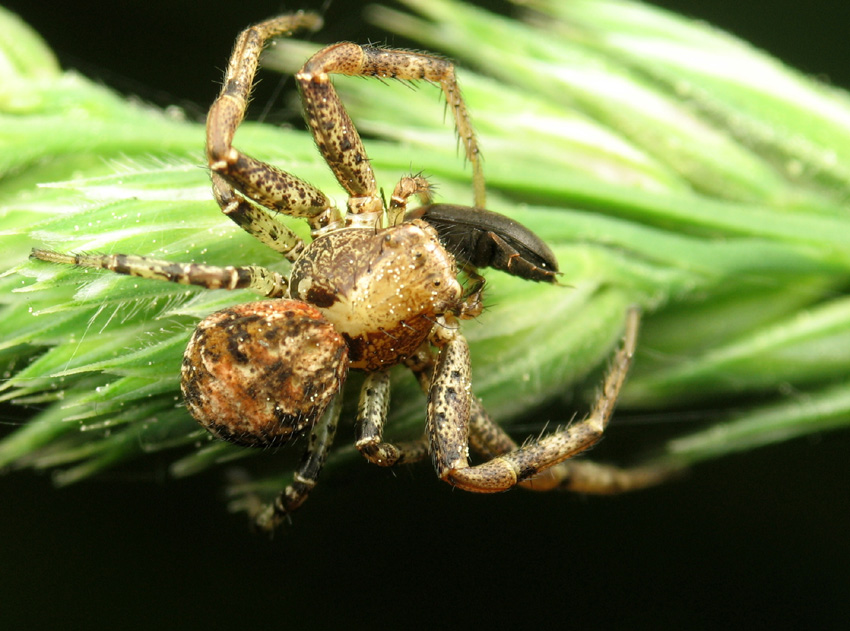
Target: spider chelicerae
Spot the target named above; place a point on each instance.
(376, 287)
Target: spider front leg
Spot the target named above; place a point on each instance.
(336, 135)
(508, 469)
(489, 440)
(236, 175)
(449, 397)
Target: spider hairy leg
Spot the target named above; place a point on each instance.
(256, 221)
(489, 440)
(369, 428)
(335, 134)
(307, 473)
(258, 279)
(232, 102)
(508, 469)
(261, 182)
(543, 456)
(449, 402)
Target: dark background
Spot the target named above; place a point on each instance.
(753, 541)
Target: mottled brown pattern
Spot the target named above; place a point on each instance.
(335, 135)
(257, 373)
(372, 411)
(235, 173)
(448, 408)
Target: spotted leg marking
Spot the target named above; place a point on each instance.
(508, 469)
(307, 473)
(335, 134)
(238, 174)
(540, 464)
(369, 429)
(489, 440)
(256, 221)
(448, 402)
(258, 279)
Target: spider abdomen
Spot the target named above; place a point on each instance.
(257, 373)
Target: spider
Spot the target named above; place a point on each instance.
(374, 288)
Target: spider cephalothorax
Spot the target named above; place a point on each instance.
(376, 287)
(382, 290)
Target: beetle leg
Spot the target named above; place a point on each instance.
(506, 257)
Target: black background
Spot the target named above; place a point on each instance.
(753, 541)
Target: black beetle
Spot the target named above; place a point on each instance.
(482, 238)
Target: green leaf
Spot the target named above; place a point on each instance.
(669, 166)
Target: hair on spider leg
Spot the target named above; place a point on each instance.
(529, 439)
(532, 428)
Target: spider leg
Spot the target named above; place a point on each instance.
(449, 399)
(369, 427)
(307, 473)
(540, 464)
(489, 440)
(256, 221)
(258, 279)
(236, 173)
(336, 135)
(508, 469)
(584, 476)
